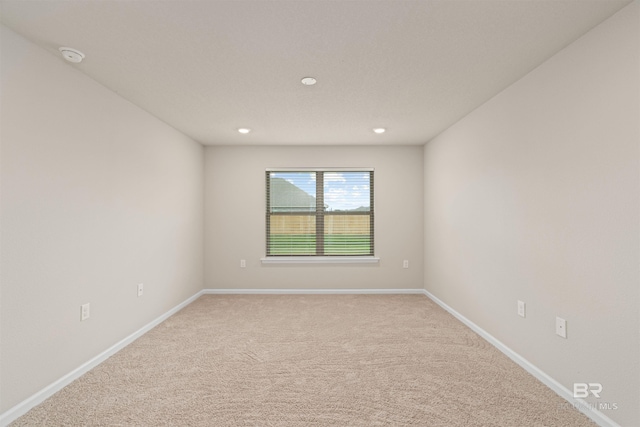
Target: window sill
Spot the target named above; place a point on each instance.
(320, 260)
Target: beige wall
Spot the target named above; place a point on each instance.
(97, 196)
(535, 196)
(235, 215)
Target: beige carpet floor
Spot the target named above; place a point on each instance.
(307, 360)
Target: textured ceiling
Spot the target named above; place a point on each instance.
(210, 67)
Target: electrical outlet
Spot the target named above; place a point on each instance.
(521, 309)
(561, 327)
(140, 289)
(84, 312)
(243, 263)
(405, 263)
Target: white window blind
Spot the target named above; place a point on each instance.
(320, 212)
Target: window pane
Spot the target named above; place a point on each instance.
(347, 235)
(320, 212)
(347, 191)
(292, 235)
(292, 191)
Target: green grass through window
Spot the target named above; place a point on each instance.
(334, 244)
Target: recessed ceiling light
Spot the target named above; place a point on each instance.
(309, 81)
(244, 130)
(71, 55)
(379, 130)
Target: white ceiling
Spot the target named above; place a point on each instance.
(210, 67)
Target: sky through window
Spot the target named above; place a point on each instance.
(343, 191)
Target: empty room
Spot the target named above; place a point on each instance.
(320, 213)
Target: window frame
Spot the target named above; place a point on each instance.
(319, 215)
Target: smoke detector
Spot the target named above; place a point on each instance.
(71, 55)
(308, 81)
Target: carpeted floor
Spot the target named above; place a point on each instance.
(307, 360)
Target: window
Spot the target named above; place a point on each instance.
(320, 212)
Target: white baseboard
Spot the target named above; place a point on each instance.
(581, 405)
(310, 291)
(23, 407)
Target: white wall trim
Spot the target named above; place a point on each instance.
(310, 291)
(23, 407)
(320, 260)
(26, 405)
(330, 169)
(580, 404)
